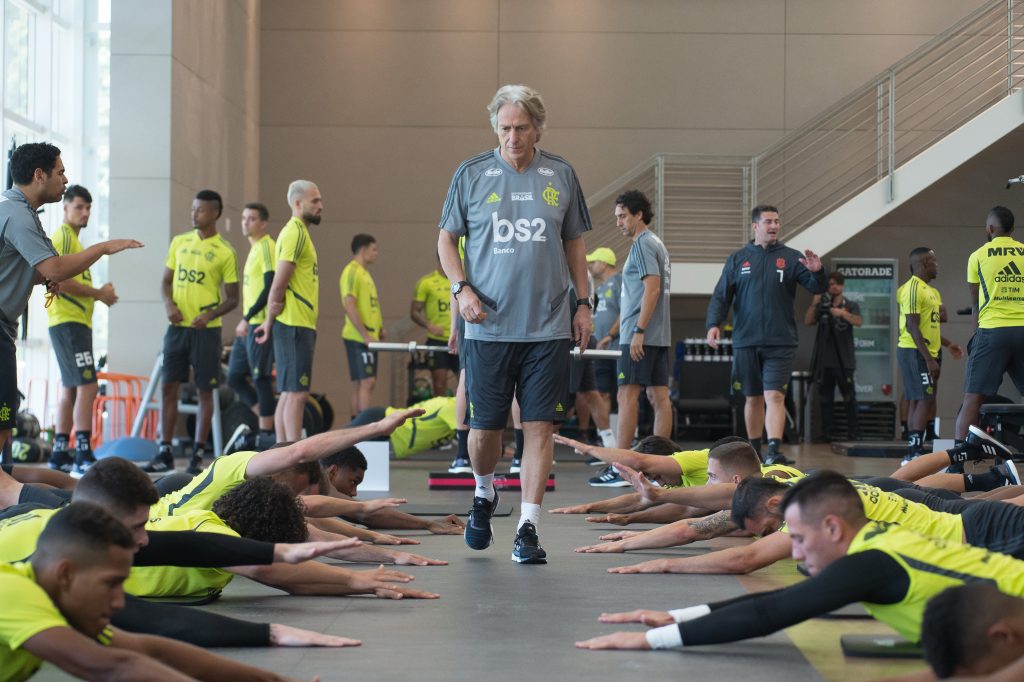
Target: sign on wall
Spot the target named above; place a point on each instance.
(871, 282)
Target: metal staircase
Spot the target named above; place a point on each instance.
(847, 167)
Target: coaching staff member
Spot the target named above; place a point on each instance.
(523, 215)
(759, 282)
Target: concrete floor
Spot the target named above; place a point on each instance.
(497, 620)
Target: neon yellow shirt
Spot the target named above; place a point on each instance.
(302, 299)
(915, 296)
(434, 292)
(434, 428)
(998, 270)
(224, 474)
(200, 266)
(179, 581)
(693, 467)
(27, 611)
(68, 308)
(357, 282)
(19, 534)
(259, 262)
(933, 565)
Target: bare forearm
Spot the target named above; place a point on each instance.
(392, 519)
(663, 513)
(447, 247)
(229, 303)
(324, 506)
(716, 496)
(199, 663)
(76, 288)
(576, 258)
(61, 268)
(622, 504)
(341, 528)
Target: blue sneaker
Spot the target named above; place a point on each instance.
(479, 534)
(527, 549)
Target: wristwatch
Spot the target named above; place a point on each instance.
(458, 286)
(639, 330)
(584, 301)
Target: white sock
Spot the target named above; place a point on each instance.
(528, 512)
(608, 438)
(484, 486)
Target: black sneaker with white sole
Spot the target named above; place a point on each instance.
(609, 478)
(527, 549)
(162, 463)
(980, 445)
(460, 465)
(594, 462)
(239, 440)
(478, 533)
(1008, 471)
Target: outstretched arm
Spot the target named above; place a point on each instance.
(621, 504)
(315, 578)
(734, 560)
(713, 496)
(673, 535)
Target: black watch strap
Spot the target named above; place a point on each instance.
(585, 301)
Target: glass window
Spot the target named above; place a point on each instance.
(19, 26)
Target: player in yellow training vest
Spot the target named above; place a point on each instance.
(892, 571)
(917, 353)
(70, 315)
(248, 358)
(363, 320)
(293, 309)
(995, 275)
(199, 265)
(431, 309)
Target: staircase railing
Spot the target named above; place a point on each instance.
(702, 203)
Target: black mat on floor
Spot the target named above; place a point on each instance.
(879, 646)
(886, 448)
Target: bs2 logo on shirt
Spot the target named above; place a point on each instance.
(522, 230)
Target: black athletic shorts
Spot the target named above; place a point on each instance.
(199, 349)
(238, 361)
(917, 382)
(536, 372)
(442, 359)
(259, 355)
(581, 372)
(72, 344)
(10, 399)
(759, 369)
(362, 362)
(293, 357)
(992, 353)
(996, 526)
(460, 341)
(604, 375)
(652, 370)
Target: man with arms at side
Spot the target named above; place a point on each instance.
(58, 609)
(995, 276)
(608, 290)
(364, 322)
(27, 257)
(70, 317)
(249, 358)
(431, 309)
(199, 264)
(524, 215)
(646, 330)
(759, 282)
(293, 309)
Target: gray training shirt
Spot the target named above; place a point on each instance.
(647, 256)
(23, 245)
(515, 225)
(607, 309)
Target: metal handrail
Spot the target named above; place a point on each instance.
(860, 140)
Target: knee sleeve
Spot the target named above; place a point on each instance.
(239, 383)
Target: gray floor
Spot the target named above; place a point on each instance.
(497, 620)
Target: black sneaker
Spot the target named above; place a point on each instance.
(608, 478)
(162, 463)
(239, 440)
(61, 460)
(776, 458)
(83, 460)
(527, 549)
(195, 465)
(595, 462)
(517, 465)
(479, 534)
(1009, 472)
(980, 445)
(460, 465)
(265, 441)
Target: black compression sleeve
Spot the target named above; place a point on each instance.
(202, 550)
(871, 576)
(261, 300)
(187, 624)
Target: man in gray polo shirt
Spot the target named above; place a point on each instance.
(523, 215)
(27, 256)
(645, 332)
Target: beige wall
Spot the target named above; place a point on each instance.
(378, 102)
